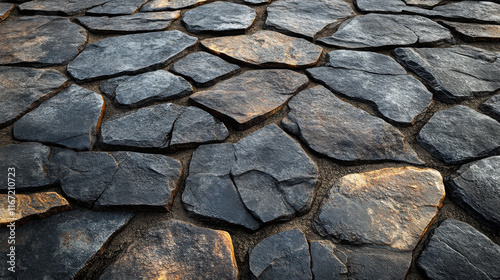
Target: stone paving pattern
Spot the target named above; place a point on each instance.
(251, 139)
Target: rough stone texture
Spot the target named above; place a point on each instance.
(219, 16)
(117, 7)
(476, 187)
(472, 32)
(204, 69)
(64, 7)
(176, 250)
(458, 251)
(423, 3)
(5, 10)
(340, 131)
(325, 263)
(21, 88)
(382, 5)
(492, 107)
(256, 2)
(70, 119)
(146, 88)
(40, 41)
(28, 206)
(252, 96)
(455, 73)
(306, 18)
(282, 256)
(166, 5)
(139, 22)
(460, 134)
(60, 245)
(377, 79)
(129, 54)
(376, 30)
(266, 49)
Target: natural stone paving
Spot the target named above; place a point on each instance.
(473, 32)
(492, 107)
(117, 7)
(64, 7)
(5, 10)
(167, 5)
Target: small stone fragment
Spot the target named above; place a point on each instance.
(326, 265)
(139, 22)
(5, 10)
(492, 107)
(117, 7)
(63, 7)
(167, 5)
(472, 32)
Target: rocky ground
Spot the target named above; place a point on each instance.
(250, 139)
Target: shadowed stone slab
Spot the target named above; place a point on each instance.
(117, 7)
(492, 107)
(325, 263)
(166, 5)
(63, 7)
(129, 54)
(204, 69)
(219, 16)
(5, 10)
(340, 131)
(266, 49)
(59, 246)
(376, 30)
(306, 18)
(69, 119)
(40, 41)
(472, 32)
(139, 22)
(252, 96)
(460, 134)
(456, 249)
(176, 250)
(21, 88)
(455, 73)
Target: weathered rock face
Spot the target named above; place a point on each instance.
(423, 3)
(5, 10)
(340, 131)
(187, 252)
(327, 262)
(492, 107)
(455, 73)
(117, 7)
(266, 49)
(162, 5)
(40, 41)
(70, 119)
(306, 18)
(256, 2)
(129, 54)
(21, 88)
(139, 22)
(456, 249)
(460, 134)
(64, 7)
(472, 32)
(252, 96)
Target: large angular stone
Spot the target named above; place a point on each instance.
(377, 30)
(252, 96)
(397, 96)
(460, 134)
(492, 107)
(64, 7)
(70, 119)
(167, 5)
(473, 32)
(129, 54)
(117, 7)
(219, 16)
(176, 250)
(40, 41)
(266, 49)
(139, 22)
(21, 88)
(5, 10)
(456, 73)
(340, 131)
(306, 18)
(458, 251)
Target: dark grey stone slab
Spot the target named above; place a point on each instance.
(62, 7)
(162, 5)
(117, 7)
(492, 107)
(325, 264)
(370, 62)
(5, 10)
(139, 22)
(256, 2)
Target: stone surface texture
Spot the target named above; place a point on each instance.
(473, 32)
(5, 10)
(64, 7)
(139, 22)
(492, 107)
(167, 5)
(117, 7)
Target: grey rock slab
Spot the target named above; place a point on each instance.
(5, 10)
(492, 107)
(338, 130)
(325, 264)
(40, 41)
(64, 7)
(473, 32)
(458, 251)
(22, 88)
(256, 2)
(381, 5)
(423, 3)
(139, 22)
(220, 16)
(204, 69)
(129, 54)
(306, 18)
(370, 62)
(162, 5)
(117, 7)
(460, 134)
(456, 73)
(69, 119)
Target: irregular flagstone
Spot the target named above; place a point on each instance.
(378, 79)
(326, 261)
(456, 249)
(423, 3)
(475, 32)
(340, 131)
(492, 107)
(455, 73)
(139, 22)
(377, 30)
(129, 54)
(40, 41)
(476, 187)
(5, 10)
(266, 49)
(117, 7)
(64, 7)
(30, 205)
(135, 91)
(252, 96)
(59, 246)
(219, 16)
(176, 250)
(70, 119)
(204, 69)
(21, 88)
(306, 18)
(460, 134)
(166, 5)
